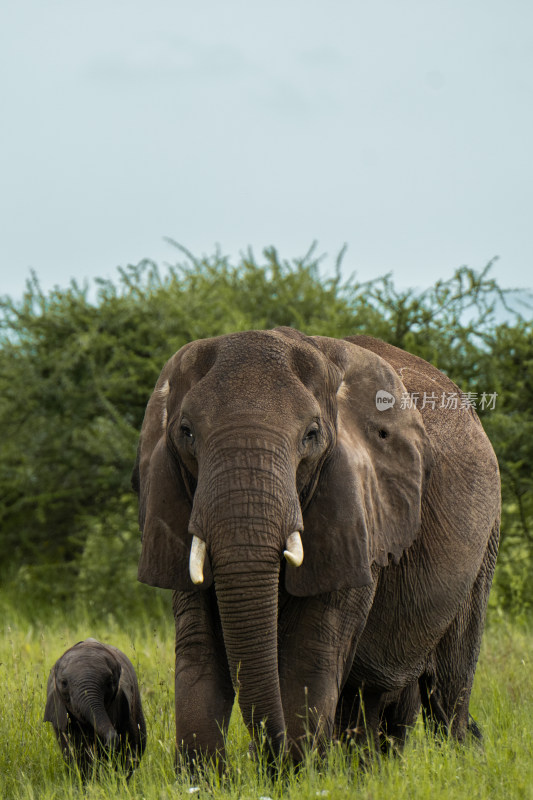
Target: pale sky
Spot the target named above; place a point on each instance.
(404, 129)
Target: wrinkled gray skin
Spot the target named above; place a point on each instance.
(94, 705)
(251, 436)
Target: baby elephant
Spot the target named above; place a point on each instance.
(94, 704)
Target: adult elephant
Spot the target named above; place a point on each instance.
(265, 444)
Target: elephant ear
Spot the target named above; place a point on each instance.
(55, 710)
(126, 712)
(367, 505)
(165, 496)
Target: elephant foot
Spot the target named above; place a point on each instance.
(274, 759)
(196, 763)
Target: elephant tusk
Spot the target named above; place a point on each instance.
(196, 560)
(294, 553)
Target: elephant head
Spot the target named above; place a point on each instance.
(266, 444)
(83, 684)
(93, 699)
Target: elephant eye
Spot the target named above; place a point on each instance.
(187, 431)
(382, 433)
(63, 687)
(311, 435)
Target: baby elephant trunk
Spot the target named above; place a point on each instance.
(111, 740)
(93, 712)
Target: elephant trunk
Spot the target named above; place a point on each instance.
(248, 606)
(88, 705)
(253, 508)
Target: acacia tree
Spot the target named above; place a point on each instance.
(78, 365)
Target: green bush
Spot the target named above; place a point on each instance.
(77, 366)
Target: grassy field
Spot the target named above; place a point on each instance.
(31, 767)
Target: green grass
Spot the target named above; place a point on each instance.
(31, 767)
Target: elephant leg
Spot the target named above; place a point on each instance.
(399, 713)
(348, 715)
(446, 685)
(318, 637)
(204, 691)
(358, 716)
(375, 719)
